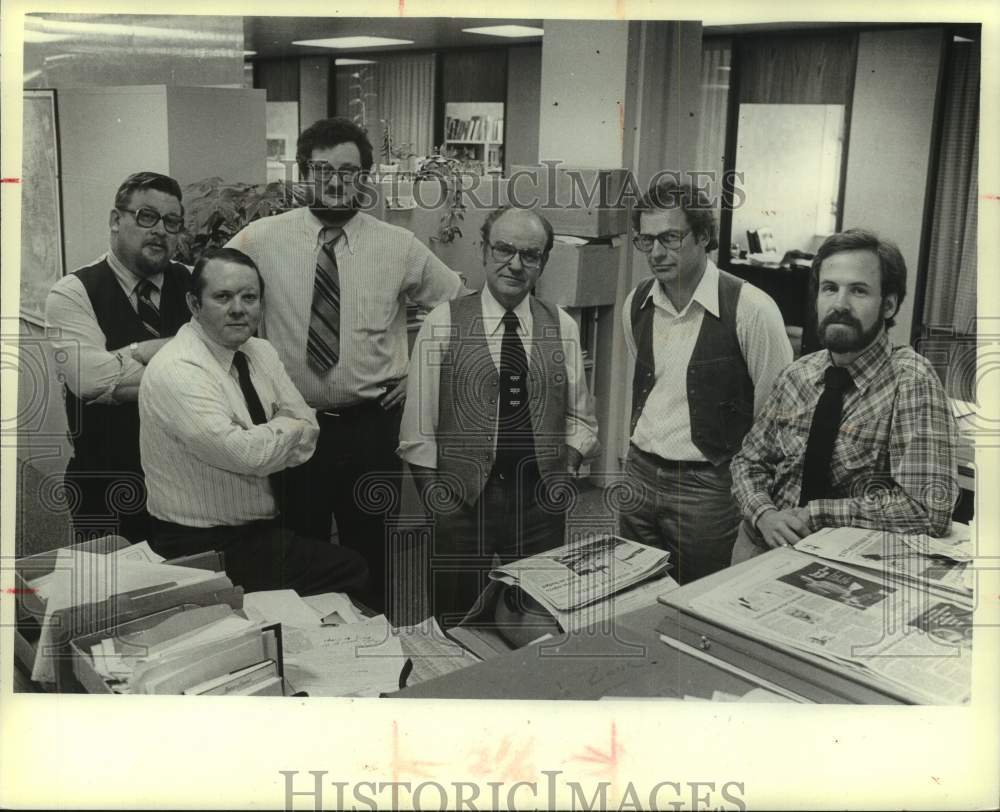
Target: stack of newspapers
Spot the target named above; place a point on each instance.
(571, 579)
(896, 635)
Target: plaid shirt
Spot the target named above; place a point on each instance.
(893, 464)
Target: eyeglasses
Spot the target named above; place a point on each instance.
(147, 218)
(531, 258)
(668, 239)
(326, 172)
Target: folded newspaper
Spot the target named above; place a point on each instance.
(585, 572)
(942, 564)
(896, 636)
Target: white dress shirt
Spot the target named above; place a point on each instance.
(664, 427)
(206, 463)
(418, 430)
(381, 268)
(93, 373)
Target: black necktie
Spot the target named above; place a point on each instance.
(514, 438)
(257, 414)
(148, 312)
(823, 434)
(254, 406)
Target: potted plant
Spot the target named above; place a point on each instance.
(447, 171)
(215, 211)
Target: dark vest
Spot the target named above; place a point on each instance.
(469, 388)
(106, 438)
(719, 387)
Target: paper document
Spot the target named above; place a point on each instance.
(585, 572)
(358, 659)
(85, 578)
(621, 603)
(944, 564)
(433, 654)
(334, 608)
(279, 606)
(895, 636)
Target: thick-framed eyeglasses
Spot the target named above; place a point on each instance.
(326, 172)
(668, 239)
(147, 218)
(531, 258)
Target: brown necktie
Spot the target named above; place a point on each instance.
(323, 344)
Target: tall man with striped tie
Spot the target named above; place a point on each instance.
(338, 283)
(107, 320)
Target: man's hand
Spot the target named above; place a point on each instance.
(394, 396)
(783, 528)
(574, 459)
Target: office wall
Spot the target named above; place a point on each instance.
(314, 89)
(889, 151)
(583, 92)
(524, 85)
(478, 75)
(104, 135)
(216, 133)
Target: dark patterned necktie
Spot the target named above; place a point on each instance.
(148, 312)
(823, 434)
(323, 344)
(514, 437)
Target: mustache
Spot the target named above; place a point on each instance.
(841, 317)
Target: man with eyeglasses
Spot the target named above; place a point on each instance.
(488, 433)
(338, 284)
(707, 350)
(108, 320)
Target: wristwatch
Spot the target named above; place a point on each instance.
(133, 348)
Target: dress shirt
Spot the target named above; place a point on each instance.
(664, 427)
(93, 373)
(418, 430)
(381, 268)
(206, 462)
(893, 464)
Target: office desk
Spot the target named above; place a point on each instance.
(631, 661)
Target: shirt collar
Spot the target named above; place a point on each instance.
(127, 278)
(866, 367)
(493, 313)
(352, 227)
(223, 355)
(706, 294)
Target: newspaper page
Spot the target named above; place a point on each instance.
(897, 637)
(944, 564)
(621, 603)
(585, 572)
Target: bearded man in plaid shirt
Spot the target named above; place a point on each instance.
(889, 457)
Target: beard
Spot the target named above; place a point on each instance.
(841, 341)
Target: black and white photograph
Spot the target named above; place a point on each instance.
(326, 330)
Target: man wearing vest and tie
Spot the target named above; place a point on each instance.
(707, 349)
(338, 284)
(497, 411)
(106, 321)
(859, 434)
(220, 418)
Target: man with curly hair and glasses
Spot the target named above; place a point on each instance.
(707, 348)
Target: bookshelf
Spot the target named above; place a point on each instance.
(473, 133)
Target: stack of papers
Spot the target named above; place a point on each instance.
(894, 636)
(576, 575)
(942, 564)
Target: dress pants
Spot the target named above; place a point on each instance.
(356, 476)
(103, 503)
(508, 521)
(264, 555)
(686, 508)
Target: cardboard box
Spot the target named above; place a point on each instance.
(580, 275)
(578, 201)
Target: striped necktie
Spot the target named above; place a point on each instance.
(148, 312)
(323, 345)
